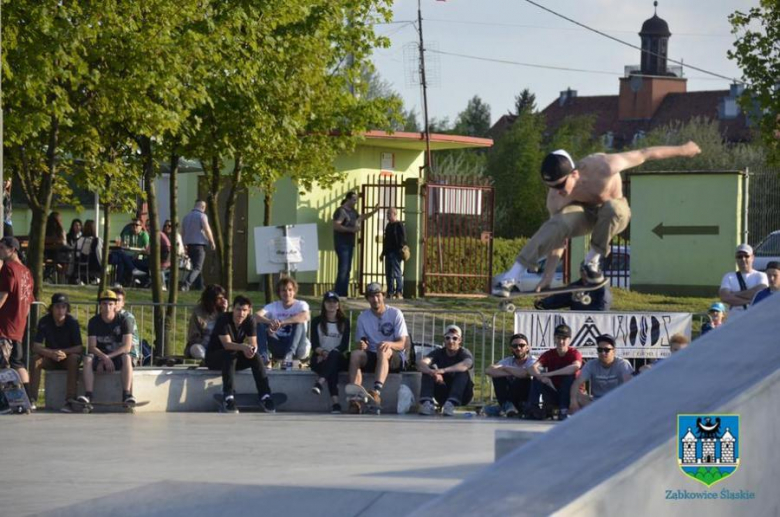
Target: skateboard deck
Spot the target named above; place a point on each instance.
(578, 290)
(87, 408)
(250, 401)
(12, 390)
(365, 402)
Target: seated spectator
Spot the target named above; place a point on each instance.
(134, 240)
(57, 346)
(141, 262)
(676, 343)
(135, 351)
(56, 247)
(737, 289)
(717, 315)
(511, 376)
(233, 346)
(181, 252)
(74, 233)
(773, 277)
(562, 365)
(601, 298)
(329, 342)
(89, 252)
(605, 374)
(109, 344)
(213, 302)
(281, 326)
(446, 376)
(381, 339)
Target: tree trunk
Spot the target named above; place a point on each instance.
(212, 207)
(268, 279)
(149, 172)
(173, 276)
(230, 210)
(106, 240)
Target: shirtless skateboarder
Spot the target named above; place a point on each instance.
(582, 198)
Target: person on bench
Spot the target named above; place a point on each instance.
(213, 303)
(446, 375)
(121, 297)
(330, 340)
(381, 338)
(233, 346)
(281, 332)
(109, 343)
(562, 365)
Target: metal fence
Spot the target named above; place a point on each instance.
(763, 213)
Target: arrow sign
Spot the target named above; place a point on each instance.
(662, 230)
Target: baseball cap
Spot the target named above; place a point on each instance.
(773, 265)
(717, 306)
(330, 295)
(745, 248)
(373, 288)
(557, 165)
(11, 242)
(59, 298)
(107, 295)
(563, 330)
(606, 338)
(453, 329)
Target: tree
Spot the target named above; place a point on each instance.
(575, 134)
(526, 101)
(474, 120)
(757, 53)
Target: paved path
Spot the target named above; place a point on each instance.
(210, 464)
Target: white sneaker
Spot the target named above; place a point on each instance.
(427, 408)
(138, 272)
(503, 288)
(448, 409)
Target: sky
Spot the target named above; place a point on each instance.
(517, 31)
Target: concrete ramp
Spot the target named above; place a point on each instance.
(619, 456)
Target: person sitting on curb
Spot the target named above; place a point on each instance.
(381, 339)
(109, 343)
(329, 342)
(446, 375)
(213, 302)
(281, 332)
(562, 365)
(604, 374)
(676, 343)
(58, 346)
(233, 346)
(121, 298)
(773, 277)
(511, 376)
(717, 314)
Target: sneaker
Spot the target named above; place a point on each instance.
(374, 394)
(83, 400)
(129, 401)
(267, 405)
(563, 414)
(448, 409)
(510, 410)
(592, 272)
(354, 407)
(504, 288)
(335, 409)
(427, 408)
(67, 408)
(229, 405)
(316, 389)
(33, 407)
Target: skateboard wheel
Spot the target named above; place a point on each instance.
(510, 307)
(585, 299)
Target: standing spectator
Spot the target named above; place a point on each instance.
(773, 277)
(16, 296)
(213, 302)
(109, 344)
(738, 288)
(8, 225)
(381, 339)
(233, 346)
(512, 376)
(181, 252)
(346, 223)
(604, 374)
(446, 375)
(392, 244)
(57, 346)
(329, 341)
(717, 315)
(562, 365)
(74, 233)
(600, 299)
(281, 332)
(196, 234)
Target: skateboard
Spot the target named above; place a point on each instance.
(13, 397)
(87, 408)
(251, 402)
(357, 394)
(580, 293)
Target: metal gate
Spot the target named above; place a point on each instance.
(458, 239)
(380, 192)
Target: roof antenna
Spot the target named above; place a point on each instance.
(655, 8)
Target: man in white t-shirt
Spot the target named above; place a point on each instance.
(512, 376)
(381, 337)
(738, 288)
(281, 326)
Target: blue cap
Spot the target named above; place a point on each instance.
(330, 295)
(717, 306)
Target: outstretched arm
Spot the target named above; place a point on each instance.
(621, 161)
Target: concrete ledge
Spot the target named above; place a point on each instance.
(508, 441)
(182, 389)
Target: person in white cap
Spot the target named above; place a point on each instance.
(582, 198)
(446, 375)
(738, 288)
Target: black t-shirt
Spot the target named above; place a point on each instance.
(349, 219)
(109, 335)
(58, 338)
(225, 326)
(441, 359)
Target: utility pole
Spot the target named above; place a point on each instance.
(424, 84)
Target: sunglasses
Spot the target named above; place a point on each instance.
(743, 257)
(518, 345)
(451, 338)
(604, 350)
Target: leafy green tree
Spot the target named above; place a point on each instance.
(757, 53)
(575, 135)
(474, 120)
(526, 101)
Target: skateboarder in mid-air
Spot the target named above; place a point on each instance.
(583, 198)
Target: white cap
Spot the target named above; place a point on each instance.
(453, 329)
(561, 152)
(745, 248)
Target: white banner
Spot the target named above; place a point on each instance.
(637, 334)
